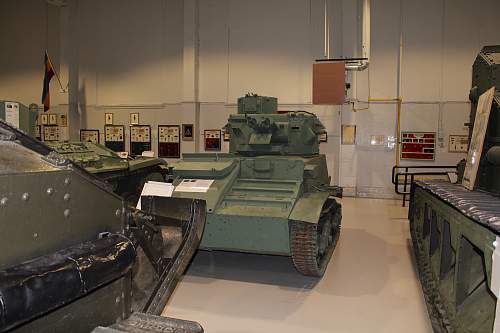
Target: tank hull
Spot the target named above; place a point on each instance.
(75, 256)
(125, 176)
(254, 204)
(453, 242)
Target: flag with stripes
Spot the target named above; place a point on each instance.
(49, 73)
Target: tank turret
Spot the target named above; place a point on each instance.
(258, 129)
(253, 103)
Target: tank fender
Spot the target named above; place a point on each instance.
(145, 162)
(308, 208)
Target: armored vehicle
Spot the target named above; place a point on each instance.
(271, 193)
(75, 258)
(126, 175)
(455, 231)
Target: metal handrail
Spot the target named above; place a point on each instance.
(409, 176)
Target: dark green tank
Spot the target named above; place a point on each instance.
(126, 175)
(271, 194)
(455, 231)
(75, 257)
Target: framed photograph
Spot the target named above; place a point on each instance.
(212, 140)
(38, 132)
(89, 135)
(44, 119)
(348, 134)
(134, 118)
(63, 120)
(52, 119)
(323, 137)
(108, 119)
(187, 132)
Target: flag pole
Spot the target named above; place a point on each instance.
(55, 72)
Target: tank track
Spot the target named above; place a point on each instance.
(304, 240)
(440, 320)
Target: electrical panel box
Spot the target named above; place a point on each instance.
(418, 145)
(19, 116)
(140, 139)
(169, 142)
(212, 140)
(114, 137)
(50, 133)
(89, 135)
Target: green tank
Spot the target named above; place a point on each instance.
(75, 257)
(455, 231)
(271, 193)
(126, 175)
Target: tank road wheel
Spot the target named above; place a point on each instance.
(312, 244)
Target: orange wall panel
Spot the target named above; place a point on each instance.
(329, 83)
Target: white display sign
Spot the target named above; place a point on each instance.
(157, 189)
(458, 144)
(478, 135)
(194, 185)
(12, 113)
(123, 154)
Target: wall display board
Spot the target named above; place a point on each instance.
(89, 135)
(169, 141)
(187, 132)
(50, 133)
(458, 143)
(212, 139)
(477, 140)
(140, 139)
(377, 140)
(114, 137)
(418, 146)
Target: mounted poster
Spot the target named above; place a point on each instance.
(477, 140)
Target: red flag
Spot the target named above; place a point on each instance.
(49, 73)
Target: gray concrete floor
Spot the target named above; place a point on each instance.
(370, 285)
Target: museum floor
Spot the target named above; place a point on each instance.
(370, 285)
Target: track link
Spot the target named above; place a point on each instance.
(440, 320)
(304, 240)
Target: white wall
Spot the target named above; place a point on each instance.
(25, 27)
(174, 63)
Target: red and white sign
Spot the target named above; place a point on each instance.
(418, 146)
